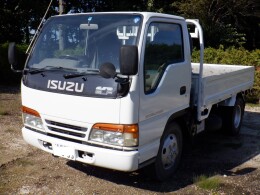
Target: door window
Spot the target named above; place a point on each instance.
(164, 46)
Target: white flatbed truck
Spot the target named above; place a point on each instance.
(118, 90)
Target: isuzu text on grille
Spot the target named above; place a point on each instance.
(65, 86)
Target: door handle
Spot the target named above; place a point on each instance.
(182, 90)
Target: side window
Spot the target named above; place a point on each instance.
(164, 46)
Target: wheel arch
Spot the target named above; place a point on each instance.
(232, 100)
(182, 119)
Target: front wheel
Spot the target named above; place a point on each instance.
(169, 153)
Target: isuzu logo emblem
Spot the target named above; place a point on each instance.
(65, 86)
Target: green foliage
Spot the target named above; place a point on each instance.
(231, 23)
(207, 183)
(18, 17)
(3, 112)
(224, 22)
(233, 37)
(230, 55)
(235, 56)
(160, 6)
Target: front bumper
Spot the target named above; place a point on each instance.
(102, 157)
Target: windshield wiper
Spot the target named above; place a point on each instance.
(74, 75)
(47, 68)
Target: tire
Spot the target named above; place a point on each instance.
(169, 153)
(232, 118)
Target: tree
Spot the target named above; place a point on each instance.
(19, 18)
(76, 6)
(161, 6)
(223, 21)
(227, 22)
(10, 27)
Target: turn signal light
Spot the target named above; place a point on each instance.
(30, 111)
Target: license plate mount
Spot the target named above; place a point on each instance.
(64, 151)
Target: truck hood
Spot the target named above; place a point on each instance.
(69, 107)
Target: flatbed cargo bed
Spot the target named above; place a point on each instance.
(220, 82)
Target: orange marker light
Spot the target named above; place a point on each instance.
(133, 129)
(30, 111)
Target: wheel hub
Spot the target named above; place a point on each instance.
(237, 116)
(169, 151)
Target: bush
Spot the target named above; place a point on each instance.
(235, 56)
(7, 75)
(207, 183)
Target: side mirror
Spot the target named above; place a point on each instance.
(13, 57)
(107, 70)
(128, 60)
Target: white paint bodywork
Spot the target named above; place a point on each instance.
(113, 159)
(72, 108)
(82, 112)
(220, 82)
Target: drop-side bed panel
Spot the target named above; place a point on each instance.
(220, 82)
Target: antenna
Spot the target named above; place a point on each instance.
(38, 29)
(60, 7)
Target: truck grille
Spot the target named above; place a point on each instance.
(66, 131)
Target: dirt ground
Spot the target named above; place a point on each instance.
(235, 161)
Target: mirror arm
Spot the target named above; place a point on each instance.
(124, 85)
(16, 71)
(122, 81)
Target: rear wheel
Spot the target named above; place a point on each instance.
(169, 153)
(232, 117)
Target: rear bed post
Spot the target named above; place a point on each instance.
(198, 34)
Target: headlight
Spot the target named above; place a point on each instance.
(119, 135)
(32, 118)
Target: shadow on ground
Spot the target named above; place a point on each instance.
(210, 154)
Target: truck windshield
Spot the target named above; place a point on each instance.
(83, 42)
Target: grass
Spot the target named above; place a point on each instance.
(1, 147)
(9, 106)
(207, 183)
(24, 162)
(252, 105)
(10, 130)
(3, 111)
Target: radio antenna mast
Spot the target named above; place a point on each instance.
(38, 29)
